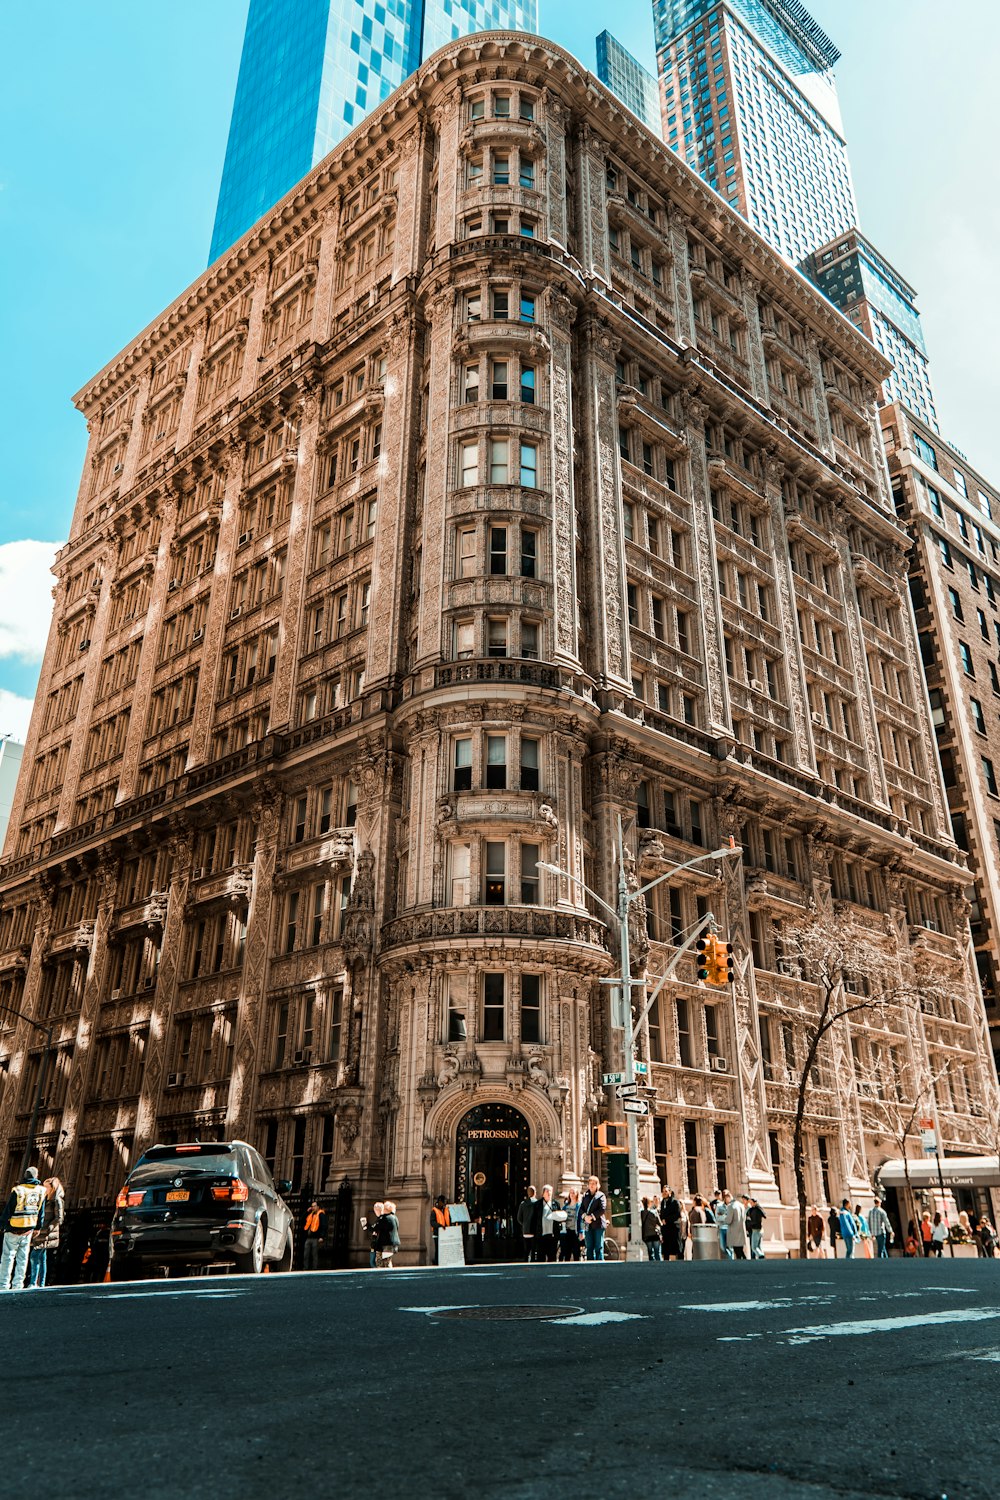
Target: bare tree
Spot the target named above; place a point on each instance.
(852, 968)
(884, 1107)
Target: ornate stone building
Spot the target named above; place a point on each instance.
(500, 483)
(953, 516)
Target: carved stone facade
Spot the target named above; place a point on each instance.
(462, 509)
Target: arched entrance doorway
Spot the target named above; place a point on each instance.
(492, 1161)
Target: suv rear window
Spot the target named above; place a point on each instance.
(211, 1158)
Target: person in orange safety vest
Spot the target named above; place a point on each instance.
(314, 1233)
(440, 1219)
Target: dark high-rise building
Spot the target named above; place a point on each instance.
(749, 101)
(625, 76)
(312, 69)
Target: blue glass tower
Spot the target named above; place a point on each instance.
(312, 69)
(626, 77)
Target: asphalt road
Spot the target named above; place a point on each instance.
(773, 1380)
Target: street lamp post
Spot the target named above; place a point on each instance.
(626, 898)
(46, 1031)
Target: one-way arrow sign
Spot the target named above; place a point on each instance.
(635, 1106)
(625, 1090)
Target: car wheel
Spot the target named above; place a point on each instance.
(252, 1263)
(287, 1255)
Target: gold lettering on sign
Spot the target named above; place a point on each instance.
(494, 1135)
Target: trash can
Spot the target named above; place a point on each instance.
(705, 1242)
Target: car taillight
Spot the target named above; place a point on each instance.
(235, 1191)
(122, 1200)
(134, 1199)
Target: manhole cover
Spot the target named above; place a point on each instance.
(507, 1314)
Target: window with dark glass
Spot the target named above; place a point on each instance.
(493, 1007)
(529, 874)
(529, 765)
(462, 774)
(496, 762)
(531, 1007)
(495, 885)
(498, 550)
(684, 1049)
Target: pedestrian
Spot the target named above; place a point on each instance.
(594, 1217)
(755, 1217)
(371, 1229)
(939, 1235)
(650, 1223)
(723, 1214)
(524, 1222)
(21, 1218)
(833, 1225)
(987, 1237)
(736, 1239)
(926, 1231)
(313, 1234)
(440, 1219)
(880, 1229)
(912, 1246)
(815, 1233)
(46, 1236)
(571, 1238)
(388, 1235)
(964, 1227)
(670, 1231)
(683, 1228)
(848, 1229)
(544, 1226)
(861, 1225)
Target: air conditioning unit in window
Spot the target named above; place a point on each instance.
(199, 634)
(84, 645)
(817, 718)
(303, 1055)
(719, 1064)
(197, 874)
(236, 610)
(245, 536)
(174, 1080)
(116, 994)
(174, 583)
(149, 981)
(756, 685)
(118, 469)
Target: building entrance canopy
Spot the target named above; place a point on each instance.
(956, 1171)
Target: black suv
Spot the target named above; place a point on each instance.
(197, 1203)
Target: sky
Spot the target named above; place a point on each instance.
(111, 150)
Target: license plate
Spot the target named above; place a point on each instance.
(178, 1197)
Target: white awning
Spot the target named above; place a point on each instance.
(956, 1171)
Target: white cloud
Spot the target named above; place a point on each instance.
(25, 597)
(15, 712)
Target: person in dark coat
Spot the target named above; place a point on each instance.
(387, 1233)
(46, 1236)
(314, 1233)
(833, 1224)
(670, 1232)
(651, 1226)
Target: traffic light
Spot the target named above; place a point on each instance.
(722, 971)
(612, 1135)
(705, 947)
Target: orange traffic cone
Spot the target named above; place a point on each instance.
(107, 1275)
(266, 1270)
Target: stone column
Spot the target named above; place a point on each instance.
(447, 120)
(168, 976)
(79, 1085)
(791, 646)
(560, 315)
(864, 700)
(750, 1093)
(26, 1036)
(326, 270)
(101, 596)
(167, 505)
(189, 401)
(705, 568)
(249, 1017)
(216, 618)
(592, 196)
(250, 374)
(131, 460)
(385, 658)
(300, 468)
(440, 462)
(683, 303)
(610, 659)
(412, 159)
(824, 432)
(749, 291)
(554, 137)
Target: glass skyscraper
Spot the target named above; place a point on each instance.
(748, 99)
(634, 85)
(312, 69)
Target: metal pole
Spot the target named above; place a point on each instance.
(29, 1144)
(944, 1211)
(635, 1249)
